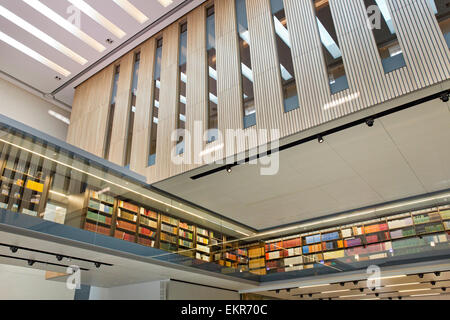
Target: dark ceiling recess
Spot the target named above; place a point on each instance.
(443, 95)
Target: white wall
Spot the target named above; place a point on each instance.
(30, 284)
(31, 110)
(141, 291)
(186, 291)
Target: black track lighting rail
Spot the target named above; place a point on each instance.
(369, 121)
(32, 262)
(58, 256)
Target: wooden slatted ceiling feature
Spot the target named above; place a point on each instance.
(144, 103)
(121, 113)
(426, 54)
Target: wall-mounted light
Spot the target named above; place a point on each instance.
(59, 116)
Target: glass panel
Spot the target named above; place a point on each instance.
(284, 55)
(155, 104)
(112, 107)
(246, 63)
(441, 8)
(132, 111)
(330, 47)
(181, 118)
(387, 42)
(212, 74)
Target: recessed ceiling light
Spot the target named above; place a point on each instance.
(63, 23)
(41, 35)
(131, 10)
(97, 17)
(353, 296)
(425, 295)
(334, 291)
(165, 3)
(33, 54)
(314, 286)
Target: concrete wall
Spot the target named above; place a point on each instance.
(30, 284)
(140, 291)
(186, 291)
(31, 110)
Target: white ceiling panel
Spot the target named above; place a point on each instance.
(33, 73)
(403, 155)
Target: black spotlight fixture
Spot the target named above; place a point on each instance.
(13, 249)
(277, 291)
(390, 298)
(445, 97)
(355, 282)
(421, 275)
(59, 257)
(97, 264)
(310, 295)
(229, 169)
(31, 262)
(288, 290)
(377, 294)
(342, 284)
(329, 299)
(320, 139)
(437, 274)
(433, 283)
(444, 289)
(370, 122)
(399, 298)
(361, 289)
(373, 289)
(301, 296)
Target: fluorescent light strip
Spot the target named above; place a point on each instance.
(433, 6)
(132, 10)
(335, 291)
(371, 299)
(97, 17)
(425, 295)
(41, 35)
(213, 98)
(282, 32)
(414, 290)
(401, 284)
(58, 194)
(59, 116)
(247, 72)
(284, 73)
(382, 5)
(353, 296)
(314, 286)
(33, 54)
(328, 41)
(120, 186)
(213, 73)
(183, 77)
(388, 277)
(65, 24)
(165, 3)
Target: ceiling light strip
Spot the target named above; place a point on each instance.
(41, 35)
(132, 10)
(33, 54)
(121, 186)
(99, 18)
(65, 24)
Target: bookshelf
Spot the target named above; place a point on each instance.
(186, 239)
(99, 213)
(22, 186)
(125, 227)
(257, 261)
(202, 244)
(148, 227)
(168, 233)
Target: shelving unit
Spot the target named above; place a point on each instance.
(186, 239)
(125, 226)
(202, 241)
(148, 227)
(257, 261)
(168, 233)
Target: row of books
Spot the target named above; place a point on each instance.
(184, 243)
(169, 229)
(202, 240)
(169, 220)
(102, 197)
(126, 225)
(147, 232)
(186, 226)
(256, 252)
(94, 216)
(168, 238)
(129, 206)
(185, 234)
(126, 215)
(148, 223)
(100, 206)
(96, 228)
(149, 213)
(124, 236)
